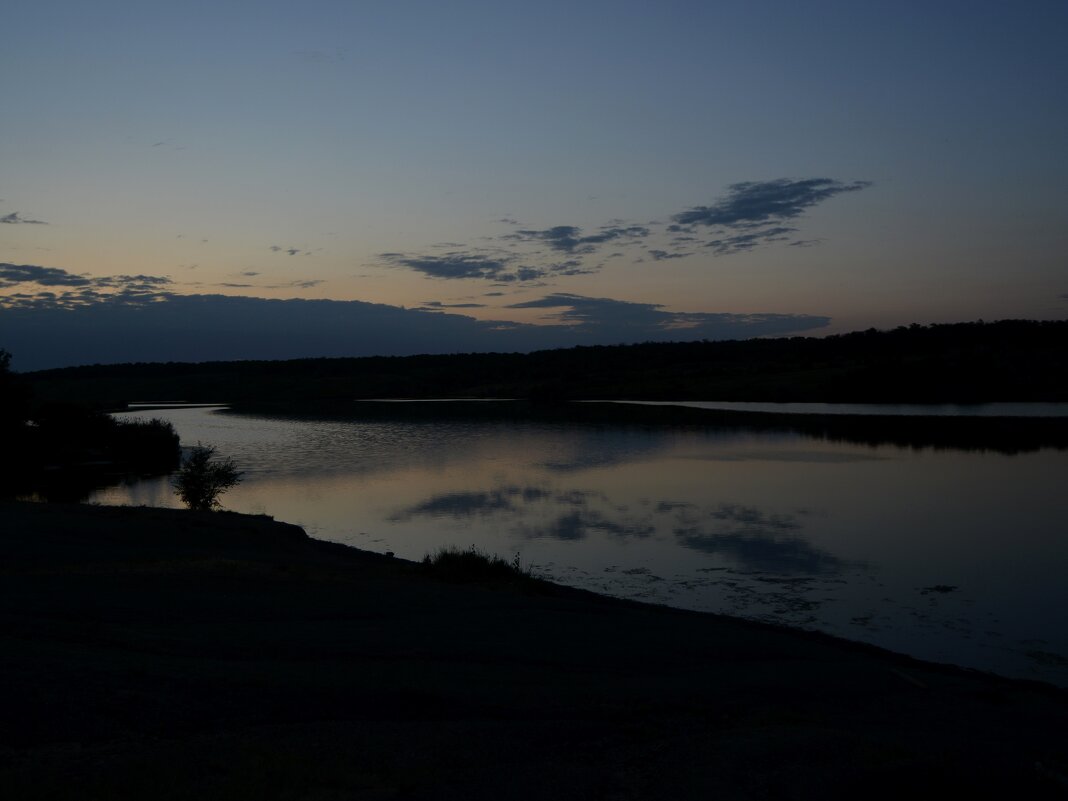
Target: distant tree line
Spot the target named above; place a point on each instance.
(1009, 360)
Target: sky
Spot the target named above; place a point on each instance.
(217, 180)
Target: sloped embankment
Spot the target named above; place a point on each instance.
(166, 654)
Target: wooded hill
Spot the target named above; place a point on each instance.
(1009, 360)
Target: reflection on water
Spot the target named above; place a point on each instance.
(948, 555)
(1033, 409)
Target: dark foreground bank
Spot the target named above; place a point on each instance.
(162, 654)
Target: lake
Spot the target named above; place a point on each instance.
(944, 553)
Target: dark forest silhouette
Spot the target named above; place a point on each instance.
(1011, 360)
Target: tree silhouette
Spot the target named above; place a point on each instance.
(202, 478)
(12, 396)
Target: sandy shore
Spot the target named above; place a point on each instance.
(161, 654)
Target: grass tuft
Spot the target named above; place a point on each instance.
(474, 565)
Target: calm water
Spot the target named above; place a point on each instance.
(948, 555)
(892, 409)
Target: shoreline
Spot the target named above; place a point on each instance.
(1000, 434)
(165, 641)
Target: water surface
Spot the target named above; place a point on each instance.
(957, 556)
(1030, 409)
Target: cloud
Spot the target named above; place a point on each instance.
(11, 274)
(437, 304)
(738, 243)
(585, 310)
(459, 265)
(661, 255)
(78, 290)
(145, 282)
(290, 251)
(87, 326)
(496, 266)
(51, 318)
(569, 238)
(757, 202)
(570, 267)
(305, 284)
(750, 215)
(610, 233)
(14, 219)
(621, 321)
(72, 299)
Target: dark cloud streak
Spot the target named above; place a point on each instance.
(757, 202)
(437, 304)
(752, 214)
(662, 255)
(569, 238)
(626, 321)
(14, 219)
(11, 274)
(461, 265)
(739, 243)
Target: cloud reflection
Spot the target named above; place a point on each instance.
(764, 553)
(570, 516)
(467, 504)
(576, 525)
(756, 541)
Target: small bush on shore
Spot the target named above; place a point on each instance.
(476, 565)
(202, 478)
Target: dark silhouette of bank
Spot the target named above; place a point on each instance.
(60, 450)
(156, 653)
(1010, 360)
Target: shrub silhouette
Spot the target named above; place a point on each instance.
(475, 565)
(202, 478)
(145, 445)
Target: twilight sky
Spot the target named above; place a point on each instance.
(276, 179)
